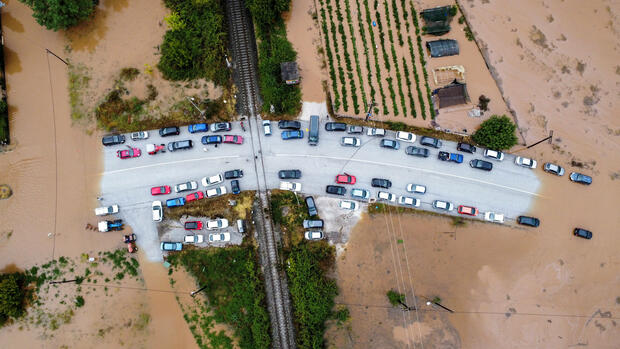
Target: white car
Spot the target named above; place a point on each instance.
(102, 211)
(416, 188)
(348, 205)
(292, 186)
(219, 237)
(383, 195)
(360, 193)
(405, 136)
(350, 142)
(267, 127)
(443, 205)
(494, 217)
(313, 235)
(379, 132)
(495, 155)
(181, 187)
(158, 211)
(208, 181)
(219, 223)
(136, 136)
(194, 239)
(525, 162)
(216, 192)
(409, 201)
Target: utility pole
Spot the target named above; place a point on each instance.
(193, 293)
(429, 303)
(369, 112)
(191, 100)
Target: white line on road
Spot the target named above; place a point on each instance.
(171, 162)
(411, 168)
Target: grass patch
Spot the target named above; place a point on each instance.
(78, 82)
(289, 213)
(216, 207)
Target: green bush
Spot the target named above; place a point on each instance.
(60, 14)
(13, 296)
(395, 298)
(497, 133)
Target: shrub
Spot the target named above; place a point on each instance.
(468, 34)
(483, 102)
(60, 14)
(395, 298)
(497, 133)
(13, 295)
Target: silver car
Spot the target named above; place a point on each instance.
(360, 193)
(181, 187)
(350, 142)
(553, 168)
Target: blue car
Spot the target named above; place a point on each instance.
(234, 184)
(198, 128)
(211, 139)
(580, 178)
(294, 134)
(171, 246)
(175, 202)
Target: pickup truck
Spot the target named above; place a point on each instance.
(194, 239)
(292, 186)
(102, 211)
(110, 225)
(445, 156)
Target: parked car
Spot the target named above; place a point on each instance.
(348, 205)
(531, 221)
(335, 126)
(193, 225)
(390, 143)
(468, 210)
(153, 149)
(294, 134)
(220, 237)
(180, 145)
(216, 192)
(233, 174)
(169, 131)
(493, 154)
(106, 210)
(161, 190)
(454, 157)
(350, 141)
(171, 246)
(140, 135)
(176, 202)
(194, 239)
(345, 179)
(494, 217)
(354, 129)
(218, 223)
(211, 140)
(313, 223)
(580, 178)
(335, 189)
(267, 127)
(158, 211)
(289, 125)
(128, 153)
(375, 132)
(233, 139)
(384, 195)
(292, 186)
(289, 174)
(312, 211)
(381, 183)
(234, 186)
(416, 188)
(313, 235)
(443, 205)
(525, 162)
(181, 187)
(221, 127)
(195, 196)
(481, 164)
(405, 136)
(360, 193)
(430, 142)
(466, 147)
(113, 140)
(195, 128)
(209, 181)
(553, 168)
(409, 201)
(417, 151)
(582, 233)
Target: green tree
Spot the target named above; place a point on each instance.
(60, 14)
(11, 298)
(395, 298)
(497, 133)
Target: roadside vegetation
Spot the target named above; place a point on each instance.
(58, 14)
(216, 207)
(497, 133)
(289, 211)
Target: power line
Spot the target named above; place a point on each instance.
(49, 73)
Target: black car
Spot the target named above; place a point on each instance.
(220, 127)
(580, 178)
(417, 151)
(381, 183)
(313, 223)
(311, 206)
(582, 233)
(465, 147)
(234, 184)
(233, 174)
(169, 131)
(390, 143)
(289, 174)
(335, 189)
(180, 145)
(113, 140)
(481, 165)
(289, 125)
(531, 221)
(335, 126)
(430, 142)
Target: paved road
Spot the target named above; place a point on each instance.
(508, 189)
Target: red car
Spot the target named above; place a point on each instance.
(164, 189)
(468, 210)
(129, 153)
(193, 225)
(345, 179)
(233, 139)
(195, 196)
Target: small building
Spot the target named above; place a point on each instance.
(437, 20)
(289, 73)
(443, 48)
(452, 94)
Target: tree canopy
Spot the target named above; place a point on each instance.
(60, 14)
(497, 133)
(12, 294)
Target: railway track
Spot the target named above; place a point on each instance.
(244, 57)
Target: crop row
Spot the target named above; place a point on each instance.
(345, 102)
(422, 60)
(347, 58)
(386, 62)
(374, 49)
(396, 21)
(330, 60)
(355, 55)
(395, 60)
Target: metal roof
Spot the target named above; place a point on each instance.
(441, 48)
